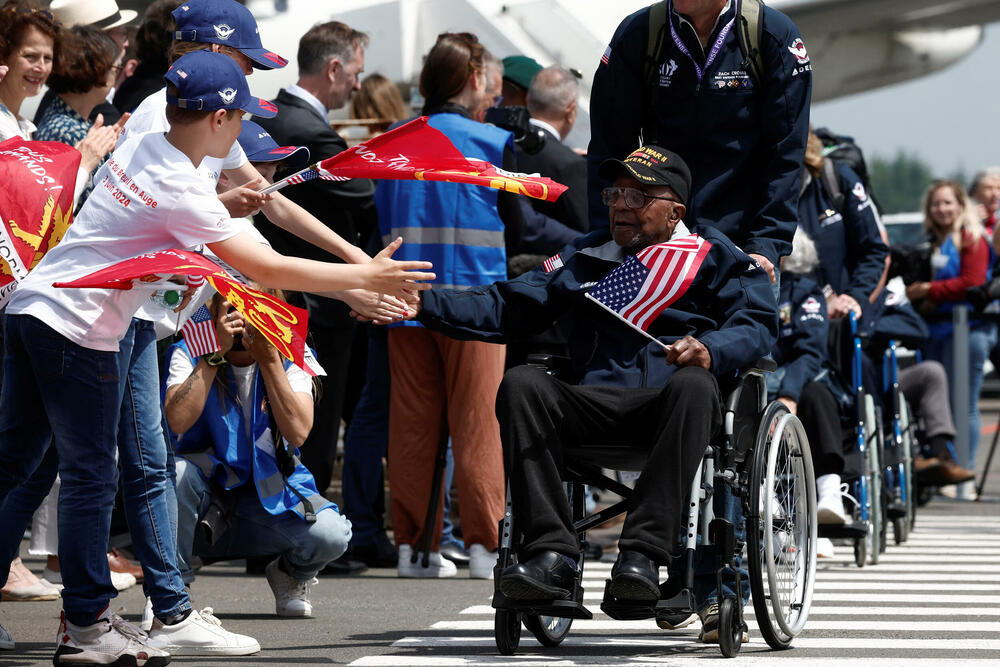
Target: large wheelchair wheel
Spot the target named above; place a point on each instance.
(548, 630)
(507, 631)
(781, 527)
(873, 469)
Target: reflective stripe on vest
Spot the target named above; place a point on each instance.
(483, 238)
(206, 464)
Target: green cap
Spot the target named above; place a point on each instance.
(520, 70)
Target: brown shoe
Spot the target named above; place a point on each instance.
(118, 563)
(951, 473)
(923, 467)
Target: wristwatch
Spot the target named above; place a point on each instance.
(215, 359)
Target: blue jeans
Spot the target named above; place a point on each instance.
(147, 470)
(56, 390)
(366, 442)
(305, 547)
(982, 338)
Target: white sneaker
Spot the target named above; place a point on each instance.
(437, 567)
(120, 580)
(111, 640)
(200, 633)
(481, 562)
(23, 586)
(824, 548)
(146, 624)
(291, 597)
(830, 500)
(6, 640)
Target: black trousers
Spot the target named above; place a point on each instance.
(545, 421)
(820, 416)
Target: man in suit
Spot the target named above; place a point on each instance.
(552, 104)
(331, 58)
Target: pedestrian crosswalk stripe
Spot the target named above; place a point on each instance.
(818, 611)
(649, 625)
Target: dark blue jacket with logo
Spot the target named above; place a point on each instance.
(744, 146)
(729, 307)
(851, 252)
(801, 349)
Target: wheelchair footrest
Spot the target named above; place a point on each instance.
(849, 531)
(560, 608)
(896, 510)
(635, 610)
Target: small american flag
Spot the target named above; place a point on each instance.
(199, 334)
(313, 173)
(552, 263)
(607, 55)
(645, 284)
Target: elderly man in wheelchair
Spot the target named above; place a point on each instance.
(705, 310)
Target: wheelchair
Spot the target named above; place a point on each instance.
(866, 528)
(763, 457)
(899, 478)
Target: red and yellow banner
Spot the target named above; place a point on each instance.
(36, 204)
(284, 325)
(418, 151)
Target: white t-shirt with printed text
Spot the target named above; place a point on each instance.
(148, 197)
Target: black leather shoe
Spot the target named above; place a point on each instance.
(343, 567)
(635, 577)
(455, 553)
(378, 553)
(546, 576)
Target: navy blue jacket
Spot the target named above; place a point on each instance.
(729, 307)
(744, 146)
(851, 252)
(802, 334)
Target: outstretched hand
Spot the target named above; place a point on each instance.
(398, 278)
(245, 199)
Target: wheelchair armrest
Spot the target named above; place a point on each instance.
(552, 363)
(760, 366)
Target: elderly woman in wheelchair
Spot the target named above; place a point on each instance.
(659, 317)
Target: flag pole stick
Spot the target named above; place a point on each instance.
(665, 347)
(274, 187)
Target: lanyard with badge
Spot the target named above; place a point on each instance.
(712, 54)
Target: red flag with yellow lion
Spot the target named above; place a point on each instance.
(36, 204)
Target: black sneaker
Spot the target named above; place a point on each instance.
(710, 625)
(380, 552)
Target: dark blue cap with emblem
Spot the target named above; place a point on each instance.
(207, 81)
(225, 22)
(261, 147)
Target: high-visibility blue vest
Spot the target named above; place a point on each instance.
(229, 451)
(454, 225)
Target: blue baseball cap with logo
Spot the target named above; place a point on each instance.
(225, 22)
(261, 147)
(207, 81)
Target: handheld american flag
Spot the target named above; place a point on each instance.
(309, 173)
(199, 334)
(646, 283)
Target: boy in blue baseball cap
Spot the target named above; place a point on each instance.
(65, 344)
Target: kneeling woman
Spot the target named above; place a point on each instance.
(230, 408)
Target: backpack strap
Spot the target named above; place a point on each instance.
(749, 34)
(654, 42)
(831, 184)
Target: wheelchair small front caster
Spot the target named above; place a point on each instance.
(730, 627)
(507, 631)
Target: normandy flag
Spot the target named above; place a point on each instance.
(36, 204)
(284, 325)
(418, 151)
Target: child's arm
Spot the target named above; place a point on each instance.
(296, 220)
(271, 269)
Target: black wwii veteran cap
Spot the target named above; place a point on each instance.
(652, 165)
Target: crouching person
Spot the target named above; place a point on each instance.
(237, 495)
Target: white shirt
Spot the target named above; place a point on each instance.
(313, 101)
(149, 197)
(545, 126)
(181, 367)
(151, 116)
(12, 126)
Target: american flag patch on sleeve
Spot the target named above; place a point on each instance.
(607, 55)
(552, 263)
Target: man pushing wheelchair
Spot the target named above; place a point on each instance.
(657, 313)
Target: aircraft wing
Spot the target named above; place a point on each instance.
(822, 16)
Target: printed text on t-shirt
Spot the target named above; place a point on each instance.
(128, 188)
